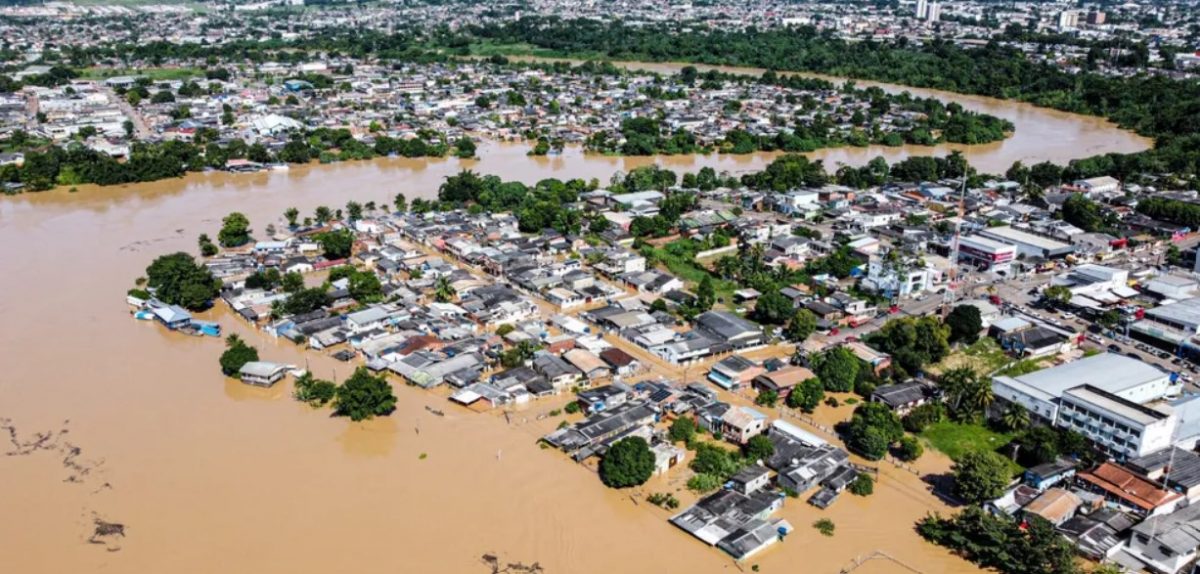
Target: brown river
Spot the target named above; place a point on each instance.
(139, 428)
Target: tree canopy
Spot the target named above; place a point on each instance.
(628, 462)
(965, 322)
(837, 368)
(980, 476)
(177, 279)
(364, 396)
(237, 354)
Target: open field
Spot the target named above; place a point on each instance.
(155, 74)
(956, 439)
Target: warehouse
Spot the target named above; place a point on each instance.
(1029, 244)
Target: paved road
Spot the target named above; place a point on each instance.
(140, 130)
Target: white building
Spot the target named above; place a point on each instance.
(1102, 184)
(1118, 427)
(1068, 20)
(898, 280)
(1040, 392)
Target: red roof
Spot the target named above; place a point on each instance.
(616, 357)
(1125, 485)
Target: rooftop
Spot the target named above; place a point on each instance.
(1107, 371)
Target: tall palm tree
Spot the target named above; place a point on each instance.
(979, 396)
(1015, 417)
(443, 291)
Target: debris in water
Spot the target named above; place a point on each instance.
(106, 533)
(492, 561)
(79, 471)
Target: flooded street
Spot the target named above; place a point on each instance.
(208, 475)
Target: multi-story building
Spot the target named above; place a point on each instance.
(1118, 427)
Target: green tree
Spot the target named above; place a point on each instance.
(322, 214)
(1015, 417)
(772, 308)
(443, 290)
(291, 214)
(913, 342)
(237, 353)
(706, 293)
(837, 368)
(364, 396)
(918, 419)
(807, 395)
(400, 202)
(365, 287)
(683, 429)
(872, 429)
(336, 244)
(980, 476)
(909, 449)
(1059, 295)
(628, 462)
(292, 282)
(177, 279)
(965, 323)
(967, 393)
(315, 392)
(235, 230)
(759, 447)
(1037, 445)
(766, 398)
(716, 461)
(802, 325)
(863, 485)
(464, 148)
(354, 210)
(1082, 213)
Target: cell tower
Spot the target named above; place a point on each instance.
(952, 286)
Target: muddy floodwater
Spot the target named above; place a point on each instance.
(106, 419)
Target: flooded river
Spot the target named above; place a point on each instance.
(210, 476)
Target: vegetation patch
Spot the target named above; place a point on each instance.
(957, 439)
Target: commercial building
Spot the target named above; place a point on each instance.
(1127, 378)
(1027, 243)
(988, 253)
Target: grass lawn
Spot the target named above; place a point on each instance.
(693, 273)
(984, 355)
(1022, 367)
(155, 74)
(956, 439)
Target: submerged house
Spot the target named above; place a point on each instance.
(262, 373)
(737, 523)
(592, 435)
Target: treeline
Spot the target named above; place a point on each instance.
(1152, 105)
(1171, 210)
(76, 164)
